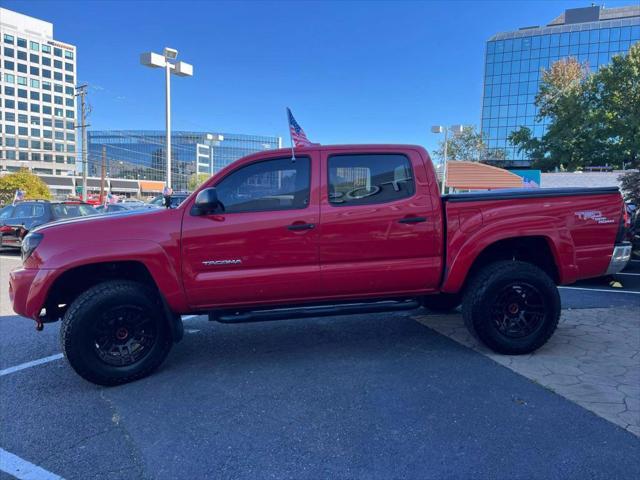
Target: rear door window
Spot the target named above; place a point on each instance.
(369, 179)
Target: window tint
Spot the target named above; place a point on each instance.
(281, 184)
(367, 179)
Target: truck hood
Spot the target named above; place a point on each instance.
(109, 217)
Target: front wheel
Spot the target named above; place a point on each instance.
(115, 333)
(512, 307)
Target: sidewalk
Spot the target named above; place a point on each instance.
(593, 359)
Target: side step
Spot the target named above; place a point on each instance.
(245, 316)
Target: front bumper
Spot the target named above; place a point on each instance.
(28, 289)
(619, 258)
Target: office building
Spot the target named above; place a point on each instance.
(514, 60)
(140, 154)
(37, 97)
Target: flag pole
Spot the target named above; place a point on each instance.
(293, 155)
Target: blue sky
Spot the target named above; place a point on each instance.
(352, 72)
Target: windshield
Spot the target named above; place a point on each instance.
(63, 210)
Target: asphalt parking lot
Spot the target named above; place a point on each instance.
(365, 396)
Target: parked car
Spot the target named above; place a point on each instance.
(16, 221)
(338, 230)
(176, 199)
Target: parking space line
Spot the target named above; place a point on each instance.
(601, 290)
(23, 470)
(30, 364)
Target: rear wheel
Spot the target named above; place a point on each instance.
(512, 307)
(115, 333)
(443, 302)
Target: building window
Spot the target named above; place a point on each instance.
(57, 64)
(10, 91)
(35, 46)
(35, 121)
(57, 52)
(35, 108)
(46, 97)
(10, 129)
(23, 156)
(22, 106)
(35, 144)
(22, 55)
(46, 73)
(58, 112)
(70, 114)
(46, 110)
(68, 54)
(22, 93)
(23, 131)
(8, 52)
(47, 134)
(22, 81)
(57, 76)
(69, 102)
(34, 58)
(34, 95)
(57, 88)
(8, 78)
(23, 143)
(68, 67)
(35, 132)
(47, 157)
(69, 90)
(34, 83)
(69, 78)
(59, 135)
(46, 61)
(57, 100)
(34, 71)
(9, 65)
(46, 48)
(22, 42)
(46, 85)
(8, 38)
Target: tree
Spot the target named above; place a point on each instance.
(23, 179)
(469, 146)
(592, 119)
(630, 186)
(195, 180)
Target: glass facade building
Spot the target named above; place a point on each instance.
(141, 154)
(37, 97)
(514, 60)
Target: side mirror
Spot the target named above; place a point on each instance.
(207, 202)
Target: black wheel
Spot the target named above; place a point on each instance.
(512, 307)
(115, 333)
(444, 302)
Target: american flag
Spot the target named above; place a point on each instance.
(18, 196)
(297, 134)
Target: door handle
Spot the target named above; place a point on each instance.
(301, 226)
(413, 220)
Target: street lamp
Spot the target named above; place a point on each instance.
(182, 69)
(455, 130)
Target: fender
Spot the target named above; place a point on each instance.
(464, 248)
(151, 254)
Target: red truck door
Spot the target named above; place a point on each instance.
(380, 227)
(264, 248)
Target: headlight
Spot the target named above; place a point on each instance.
(29, 244)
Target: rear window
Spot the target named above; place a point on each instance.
(29, 210)
(62, 210)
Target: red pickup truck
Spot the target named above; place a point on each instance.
(337, 230)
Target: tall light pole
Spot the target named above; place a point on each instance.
(456, 130)
(182, 69)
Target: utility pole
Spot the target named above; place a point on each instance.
(82, 92)
(103, 171)
(168, 118)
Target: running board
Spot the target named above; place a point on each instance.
(246, 316)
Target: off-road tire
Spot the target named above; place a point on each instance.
(442, 303)
(78, 323)
(482, 294)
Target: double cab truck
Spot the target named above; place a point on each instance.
(332, 230)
